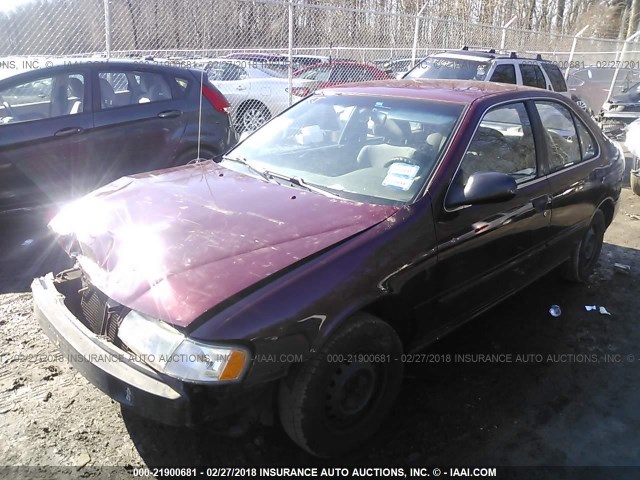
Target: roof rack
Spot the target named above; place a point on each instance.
(513, 55)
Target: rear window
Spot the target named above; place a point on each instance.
(555, 75)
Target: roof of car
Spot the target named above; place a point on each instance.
(481, 55)
(459, 91)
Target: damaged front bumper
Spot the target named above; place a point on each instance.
(130, 382)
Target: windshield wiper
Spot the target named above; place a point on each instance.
(244, 162)
(299, 182)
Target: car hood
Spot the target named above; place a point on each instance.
(630, 97)
(176, 243)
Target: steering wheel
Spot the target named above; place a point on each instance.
(9, 109)
(408, 160)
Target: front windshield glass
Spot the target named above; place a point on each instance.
(450, 69)
(363, 148)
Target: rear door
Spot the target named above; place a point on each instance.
(487, 251)
(45, 133)
(138, 120)
(572, 155)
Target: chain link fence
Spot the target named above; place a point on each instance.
(246, 45)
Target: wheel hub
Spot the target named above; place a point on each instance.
(351, 389)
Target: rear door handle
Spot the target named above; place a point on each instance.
(65, 132)
(541, 203)
(170, 114)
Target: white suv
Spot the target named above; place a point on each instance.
(465, 64)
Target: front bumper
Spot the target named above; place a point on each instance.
(127, 381)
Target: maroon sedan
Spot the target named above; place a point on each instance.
(298, 272)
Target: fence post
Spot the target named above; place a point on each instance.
(107, 28)
(290, 69)
(416, 31)
(573, 49)
(615, 74)
(503, 41)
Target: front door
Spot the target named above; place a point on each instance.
(45, 128)
(487, 251)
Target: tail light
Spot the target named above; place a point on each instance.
(216, 99)
(300, 91)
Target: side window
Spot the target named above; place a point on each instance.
(42, 98)
(502, 143)
(532, 75)
(562, 140)
(118, 88)
(233, 72)
(318, 73)
(588, 144)
(342, 74)
(505, 73)
(555, 76)
(363, 74)
(183, 85)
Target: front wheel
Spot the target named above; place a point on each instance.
(253, 116)
(339, 398)
(585, 254)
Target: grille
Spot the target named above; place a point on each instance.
(101, 315)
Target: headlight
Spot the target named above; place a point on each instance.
(170, 352)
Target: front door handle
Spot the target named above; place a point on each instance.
(65, 132)
(541, 203)
(170, 114)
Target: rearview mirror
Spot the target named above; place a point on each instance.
(482, 187)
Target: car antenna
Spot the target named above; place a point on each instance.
(200, 114)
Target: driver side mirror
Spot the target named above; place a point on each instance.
(482, 187)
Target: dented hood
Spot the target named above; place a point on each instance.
(175, 244)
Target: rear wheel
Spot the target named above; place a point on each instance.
(586, 253)
(635, 183)
(338, 399)
(583, 105)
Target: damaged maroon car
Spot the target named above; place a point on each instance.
(293, 275)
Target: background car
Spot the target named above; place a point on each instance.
(256, 92)
(330, 74)
(489, 66)
(67, 129)
(619, 111)
(302, 271)
(591, 85)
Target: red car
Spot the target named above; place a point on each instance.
(295, 277)
(330, 74)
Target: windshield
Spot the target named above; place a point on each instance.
(450, 69)
(363, 148)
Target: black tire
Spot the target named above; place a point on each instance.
(328, 406)
(584, 257)
(252, 115)
(634, 180)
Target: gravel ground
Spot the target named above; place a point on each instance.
(577, 407)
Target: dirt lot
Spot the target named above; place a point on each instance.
(577, 407)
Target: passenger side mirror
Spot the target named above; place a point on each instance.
(482, 187)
